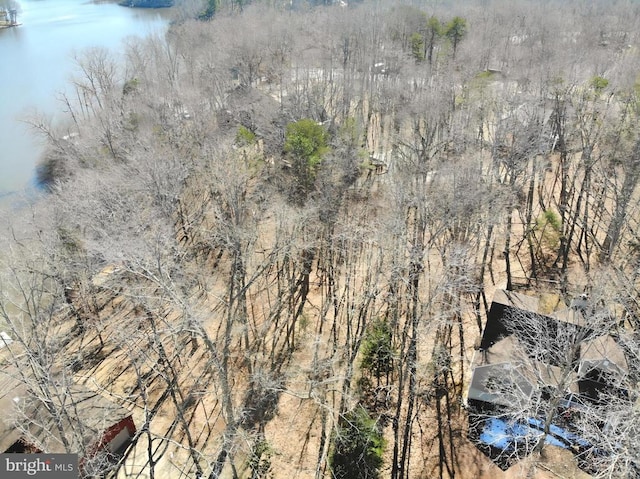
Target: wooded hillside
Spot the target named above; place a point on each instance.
(274, 235)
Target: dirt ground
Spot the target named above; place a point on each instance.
(303, 410)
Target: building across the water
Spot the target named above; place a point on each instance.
(8, 17)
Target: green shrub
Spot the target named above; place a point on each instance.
(548, 229)
(260, 460)
(377, 349)
(306, 142)
(417, 46)
(599, 84)
(358, 447)
(553, 220)
(245, 137)
(130, 86)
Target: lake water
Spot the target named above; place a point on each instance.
(36, 62)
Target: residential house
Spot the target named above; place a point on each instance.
(525, 356)
(60, 417)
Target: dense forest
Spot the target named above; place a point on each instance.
(274, 232)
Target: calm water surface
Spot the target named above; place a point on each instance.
(36, 62)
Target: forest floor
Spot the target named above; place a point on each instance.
(292, 432)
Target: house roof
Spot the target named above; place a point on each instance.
(604, 349)
(506, 342)
(516, 300)
(525, 354)
(505, 350)
(508, 350)
(501, 384)
(81, 413)
(506, 304)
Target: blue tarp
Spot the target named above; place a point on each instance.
(511, 434)
(560, 433)
(507, 435)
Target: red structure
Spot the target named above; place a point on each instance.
(76, 419)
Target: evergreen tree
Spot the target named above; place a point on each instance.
(358, 447)
(455, 31)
